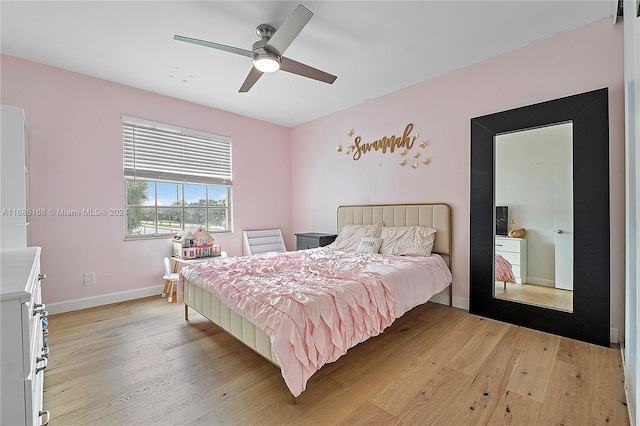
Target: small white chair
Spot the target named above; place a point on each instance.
(262, 241)
(170, 279)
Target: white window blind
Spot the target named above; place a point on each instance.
(162, 152)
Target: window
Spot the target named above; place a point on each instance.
(174, 177)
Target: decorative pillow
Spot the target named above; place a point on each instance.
(350, 236)
(407, 240)
(369, 245)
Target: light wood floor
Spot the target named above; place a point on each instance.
(141, 363)
(536, 295)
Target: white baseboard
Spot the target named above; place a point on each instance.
(443, 298)
(461, 302)
(541, 281)
(614, 335)
(105, 299)
(630, 406)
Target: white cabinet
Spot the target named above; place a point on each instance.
(23, 344)
(515, 251)
(14, 181)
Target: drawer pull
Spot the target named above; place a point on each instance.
(45, 333)
(40, 278)
(498, 245)
(45, 420)
(39, 369)
(38, 308)
(45, 352)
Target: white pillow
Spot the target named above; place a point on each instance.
(407, 240)
(350, 236)
(369, 245)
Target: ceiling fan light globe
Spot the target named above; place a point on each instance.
(266, 63)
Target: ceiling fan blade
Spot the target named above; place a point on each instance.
(289, 30)
(213, 45)
(251, 79)
(294, 67)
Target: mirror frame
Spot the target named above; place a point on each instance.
(590, 319)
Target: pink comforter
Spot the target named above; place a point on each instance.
(315, 304)
(504, 271)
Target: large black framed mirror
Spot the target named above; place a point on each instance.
(587, 116)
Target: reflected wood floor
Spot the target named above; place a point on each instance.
(536, 295)
(141, 363)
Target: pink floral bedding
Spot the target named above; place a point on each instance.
(315, 304)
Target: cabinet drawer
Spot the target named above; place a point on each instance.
(23, 359)
(512, 258)
(33, 392)
(304, 243)
(507, 245)
(516, 271)
(34, 314)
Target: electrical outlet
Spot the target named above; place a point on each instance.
(89, 278)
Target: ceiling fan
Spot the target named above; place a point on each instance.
(267, 52)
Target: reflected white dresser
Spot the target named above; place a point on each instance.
(23, 343)
(515, 251)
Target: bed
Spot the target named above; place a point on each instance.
(235, 293)
(504, 271)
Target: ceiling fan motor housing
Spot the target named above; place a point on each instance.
(265, 30)
(260, 53)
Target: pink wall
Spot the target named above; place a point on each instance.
(585, 59)
(76, 156)
(75, 161)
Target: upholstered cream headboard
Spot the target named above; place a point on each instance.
(437, 216)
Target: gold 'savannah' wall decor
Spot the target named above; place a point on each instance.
(388, 144)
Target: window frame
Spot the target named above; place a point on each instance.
(220, 178)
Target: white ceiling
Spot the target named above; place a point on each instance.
(374, 47)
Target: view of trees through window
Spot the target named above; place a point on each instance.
(163, 208)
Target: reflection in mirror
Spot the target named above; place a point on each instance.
(534, 184)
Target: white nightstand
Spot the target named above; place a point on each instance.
(515, 251)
